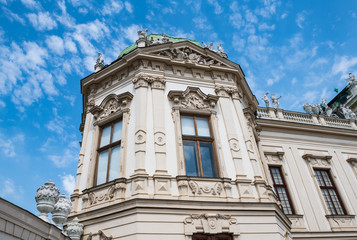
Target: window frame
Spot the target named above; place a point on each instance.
(333, 187)
(284, 185)
(197, 141)
(108, 147)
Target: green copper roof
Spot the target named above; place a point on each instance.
(157, 37)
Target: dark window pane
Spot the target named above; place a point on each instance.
(202, 127)
(114, 163)
(208, 163)
(188, 126)
(102, 167)
(190, 150)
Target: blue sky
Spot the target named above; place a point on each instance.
(301, 50)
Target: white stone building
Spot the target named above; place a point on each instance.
(175, 147)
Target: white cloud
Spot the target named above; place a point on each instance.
(269, 8)
(194, 4)
(12, 16)
(238, 42)
(250, 17)
(217, 7)
(237, 20)
(7, 145)
(42, 21)
(70, 45)
(55, 44)
(344, 65)
(2, 104)
(293, 81)
(128, 7)
(112, 7)
(68, 156)
(131, 32)
(65, 19)
(89, 63)
(31, 4)
(283, 16)
(201, 23)
(71, 99)
(266, 27)
(68, 183)
(9, 189)
(300, 19)
(57, 124)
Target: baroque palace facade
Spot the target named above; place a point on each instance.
(175, 147)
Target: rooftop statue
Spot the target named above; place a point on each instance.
(347, 112)
(266, 99)
(99, 63)
(352, 81)
(143, 34)
(275, 101)
(164, 39)
(208, 46)
(221, 51)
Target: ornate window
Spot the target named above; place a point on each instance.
(329, 192)
(211, 237)
(281, 189)
(109, 153)
(198, 145)
(110, 128)
(197, 134)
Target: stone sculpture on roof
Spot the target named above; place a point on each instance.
(266, 99)
(352, 81)
(99, 63)
(209, 46)
(275, 100)
(221, 51)
(143, 34)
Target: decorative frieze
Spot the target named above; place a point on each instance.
(224, 91)
(274, 157)
(211, 224)
(297, 223)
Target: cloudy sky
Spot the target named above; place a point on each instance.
(300, 50)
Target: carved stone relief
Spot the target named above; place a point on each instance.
(211, 224)
(160, 138)
(189, 55)
(297, 223)
(206, 188)
(140, 137)
(274, 157)
(105, 194)
(111, 104)
(193, 98)
(318, 160)
(342, 223)
(223, 91)
(143, 80)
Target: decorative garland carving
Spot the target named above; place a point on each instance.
(193, 98)
(199, 188)
(111, 105)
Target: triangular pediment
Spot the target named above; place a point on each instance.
(188, 52)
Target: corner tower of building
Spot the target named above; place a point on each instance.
(170, 148)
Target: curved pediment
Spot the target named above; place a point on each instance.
(193, 98)
(111, 105)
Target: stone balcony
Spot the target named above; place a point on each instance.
(305, 118)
